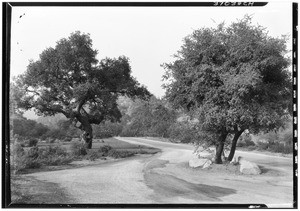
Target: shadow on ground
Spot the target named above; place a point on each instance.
(170, 186)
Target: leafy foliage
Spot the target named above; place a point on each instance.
(37, 157)
(68, 79)
(78, 149)
(149, 118)
(231, 78)
(32, 142)
(105, 149)
(107, 129)
(184, 132)
(28, 128)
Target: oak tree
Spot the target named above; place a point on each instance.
(68, 79)
(232, 78)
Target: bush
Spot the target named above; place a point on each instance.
(36, 157)
(68, 139)
(31, 163)
(251, 147)
(56, 155)
(105, 150)
(120, 154)
(184, 132)
(249, 143)
(24, 160)
(32, 142)
(50, 140)
(17, 149)
(129, 131)
(262, 145)
(107, 129)
(33, 152)
(278, 147)
(93, 155)
(78, 148)
(245, 141)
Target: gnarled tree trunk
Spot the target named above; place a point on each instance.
(88, 136)
(87, 129)
(220, 148)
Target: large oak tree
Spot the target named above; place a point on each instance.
(231, 78)
(68, 79)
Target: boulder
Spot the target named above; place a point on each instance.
(197, 162)
(207, 164)
(247, 167)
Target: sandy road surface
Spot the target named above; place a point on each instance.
(166, 178)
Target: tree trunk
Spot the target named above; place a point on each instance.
(87, 131)
(219, 148)
(233, 144)
(88, 137)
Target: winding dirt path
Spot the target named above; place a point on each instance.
(166, 178)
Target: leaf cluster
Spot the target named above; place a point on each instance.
(69, 79)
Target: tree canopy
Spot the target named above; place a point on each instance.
(69, 79)
(232, 78)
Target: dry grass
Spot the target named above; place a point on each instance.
(27, 190)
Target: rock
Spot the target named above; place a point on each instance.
(197, 162)
(247, 167)
(207, 164)
(234, 160)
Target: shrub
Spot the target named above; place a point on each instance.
(68, 139)
(251, 147)
(56, 155)
(31, 163)
(280, 147)
(120, 154)
(129, 131)
(184, 132)
(107, 129)
(78, 148)
(105, 149)
(33, 152)
(50, 140)
(17, 149)
(36, 157)
(23, 160)
(248, 143)
(245, 141)
(17, 156)
(92, 155)
(262, 145)
(32, 142)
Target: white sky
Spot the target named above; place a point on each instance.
(148, 36)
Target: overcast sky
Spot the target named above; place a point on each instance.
(148, 36)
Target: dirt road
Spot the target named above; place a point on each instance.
(166, 178)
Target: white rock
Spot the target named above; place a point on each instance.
(196, 162)
(207, 164)
(234, 160)
(247, 167)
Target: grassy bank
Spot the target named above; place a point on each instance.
(38, 157)
(27, 190)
